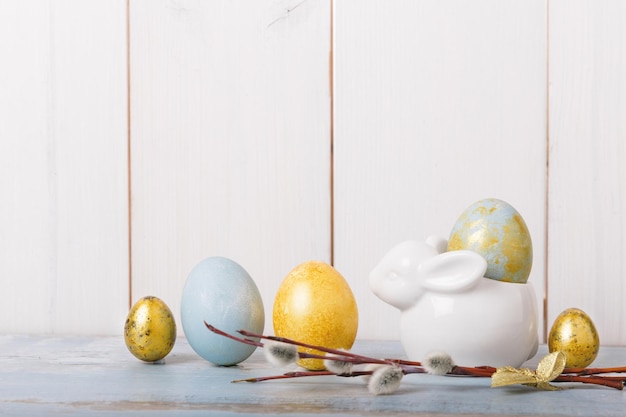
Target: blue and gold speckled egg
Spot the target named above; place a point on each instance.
(496, 231)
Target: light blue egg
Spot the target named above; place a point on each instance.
(219, 291)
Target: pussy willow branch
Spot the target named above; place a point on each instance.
(480, 371)
(610, 382)
(345, 356)
(594, 371)
(301, 374)
(596, 380)
(582, 375)
(408, 366)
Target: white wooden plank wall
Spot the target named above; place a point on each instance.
(436, 104)
(230, 133)
(63, 166)
(587, 230)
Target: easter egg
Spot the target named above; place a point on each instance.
(496, 231)
(315, 305)
(574, 334)
(220, 292)
(150, 329)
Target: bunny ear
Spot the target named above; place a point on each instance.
(452, 271)
(440, 244)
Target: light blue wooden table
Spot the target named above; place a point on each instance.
(98, 376)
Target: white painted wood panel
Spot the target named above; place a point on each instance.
(587, 163)
(63, 167)
(230, 133)
(437, 104)
(26, 240)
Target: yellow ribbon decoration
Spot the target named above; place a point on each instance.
(548, 369)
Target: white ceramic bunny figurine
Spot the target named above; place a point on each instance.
(447, 305)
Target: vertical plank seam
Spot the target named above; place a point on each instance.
(52, 172)
(331, 76)
(547, 195)
(128, 160)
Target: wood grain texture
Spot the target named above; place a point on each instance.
(64, 166)
(587, 172)
(95, 376)
(27, 244)
(230, 140)
(438, 104)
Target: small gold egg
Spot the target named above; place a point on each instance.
(315, 305)
(574, 334)
(150, 329)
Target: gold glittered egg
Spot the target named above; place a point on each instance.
(574, 334)
(315, 305)
(150, 329)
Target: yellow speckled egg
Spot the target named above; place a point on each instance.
(315, 305)
(150, 329)
(496, 231)
(574, 334)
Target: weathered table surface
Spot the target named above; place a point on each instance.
(97, 376)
